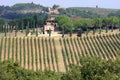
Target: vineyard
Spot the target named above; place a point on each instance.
(36, 53)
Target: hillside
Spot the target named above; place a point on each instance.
(27, 9)
(99, 11)
(21, 10)
(37, 53)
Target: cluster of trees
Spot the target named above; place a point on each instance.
(91, 68)
(14, 12)
(94, 69)
(86, 24)
(13, 71)
(23, 6)
(22, 24)
(71, 12)
(117, 14)
(2, 22)
(65, 23)
(14, 15)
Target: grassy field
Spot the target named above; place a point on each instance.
(37, 53)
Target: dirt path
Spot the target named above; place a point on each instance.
(93, 47)
(10, 53)
(96, 48)
(60, 56)
(30, 54)
(89, 47)
(42, 55)
(26, 54)
(114, 45)
(82, 48)
(18, 50)
(75, 51)
(55, 55)
(72, 56)
(6, 49)
(22, 53)
(99, 48)
(2, 54)
(103, 48)
(110, 47)
(106, 47)
(14, 49)
(34, 61)
(116, 40)
(68, 53)
(37, 54)
(79, 48)
(64, 55)
(45, 54)
(50, 54)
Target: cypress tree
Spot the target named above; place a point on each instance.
(36, 31)
(5, 29)
(27, 29)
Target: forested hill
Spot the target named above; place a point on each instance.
(27, 9)
(21, 10)
(90, 11)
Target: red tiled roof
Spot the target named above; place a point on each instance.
(76, 19)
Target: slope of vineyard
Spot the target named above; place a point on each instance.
(36, 53)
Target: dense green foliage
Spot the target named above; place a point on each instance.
(117, 14)
(31, 22)
(25, 6)
(71, 12)
(19, 10)
(22, 6)
(85, 24)
(94, 69)
(90, 69)
(12, 71)
(87, 12)
(65, 23)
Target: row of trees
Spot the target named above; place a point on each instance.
(22, 24)
(65, 23)
(68, 25)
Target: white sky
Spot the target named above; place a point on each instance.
(68, 3)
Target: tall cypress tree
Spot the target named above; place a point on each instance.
(16, 29)
(22, 25)
(34, 26)
(27, 29)
(5, 29)
(36, 30)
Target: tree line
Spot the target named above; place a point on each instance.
(22, 24)
(67, 25)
